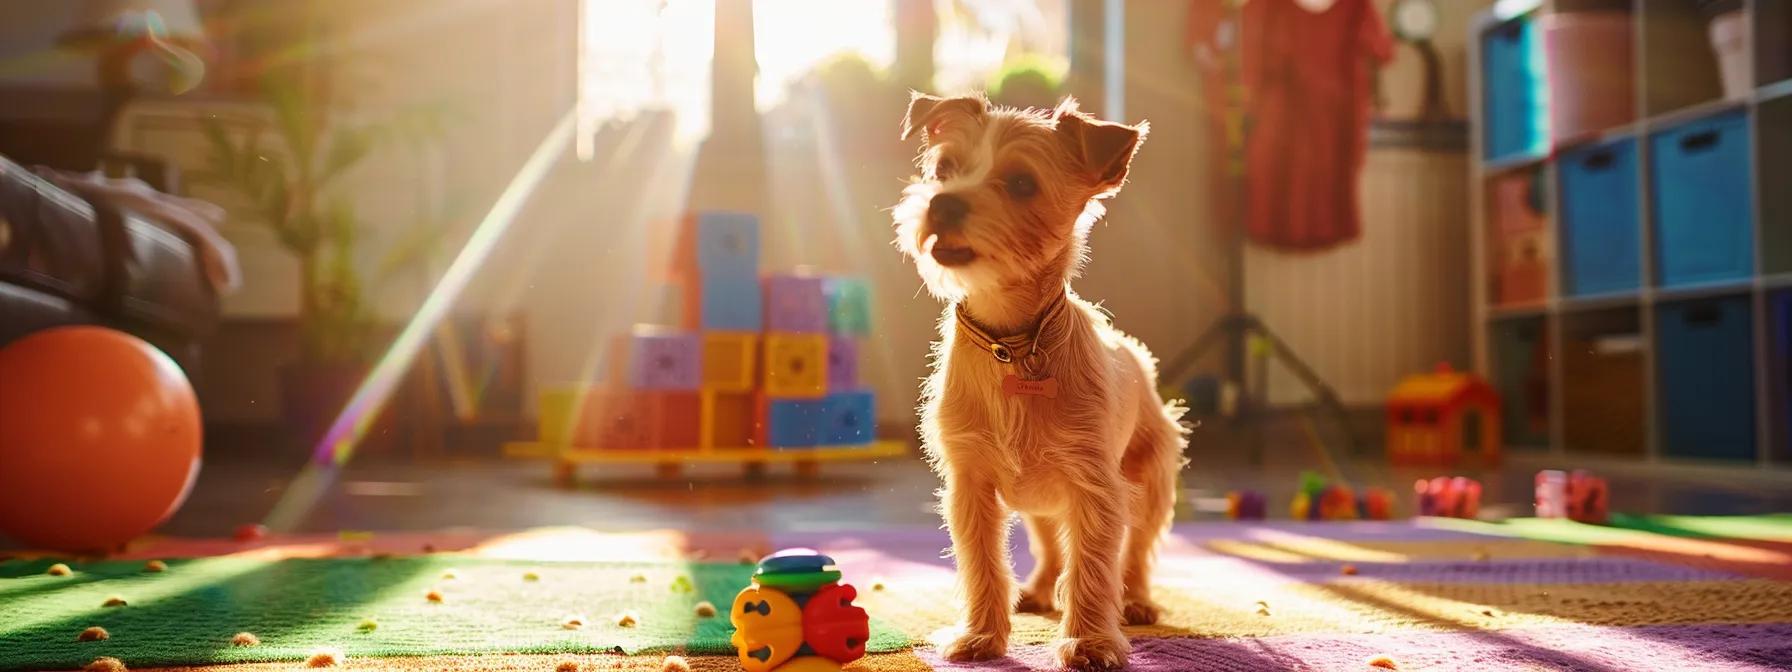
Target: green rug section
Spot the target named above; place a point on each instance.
(1772, 527)
(188, 614)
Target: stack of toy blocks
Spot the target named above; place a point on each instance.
(759, 361)
(811, 394)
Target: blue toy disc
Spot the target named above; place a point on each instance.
(794, 561)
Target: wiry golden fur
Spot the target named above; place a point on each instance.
(1093, 471)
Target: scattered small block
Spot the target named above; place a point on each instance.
(429, 548)
(450, 575)
(59, 569)
(1487, 612)
(749, 557)
(675, 663)
(245, 639)
(114, 601)
(573, 621)
(155, 566)
(704, 609)
(1383, 662)
(1347, 570)
(93, 634)
(247, 533)
(325, 657)
(637, 577)
(105, 664)
(434, 596)
(878, 586)
(567, 666)
(531, 577)
(628, 619)
(368, 625)
(682, 584)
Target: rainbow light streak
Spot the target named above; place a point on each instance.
(339, 442)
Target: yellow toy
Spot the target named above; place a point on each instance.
(796, 603)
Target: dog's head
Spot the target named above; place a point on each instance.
(1005, 196)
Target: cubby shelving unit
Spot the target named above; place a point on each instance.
(1633, 283)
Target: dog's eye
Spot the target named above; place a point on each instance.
(1021, 186)
(945, 169)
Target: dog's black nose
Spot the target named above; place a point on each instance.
(946, 213)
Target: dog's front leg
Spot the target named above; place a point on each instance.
(1091, 637)
(979, 527)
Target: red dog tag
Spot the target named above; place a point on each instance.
(1013, 385)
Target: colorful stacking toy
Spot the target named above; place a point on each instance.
(1246, 505)
(1448, 497)
(1376, 504)
(797, 616)
(1578, 496)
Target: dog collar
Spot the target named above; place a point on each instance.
(1022, 347)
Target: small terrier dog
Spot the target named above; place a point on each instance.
(1036, 403)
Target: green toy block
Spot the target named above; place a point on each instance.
(849, 305)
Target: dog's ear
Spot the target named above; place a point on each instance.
(1104, 147)
(928, 113)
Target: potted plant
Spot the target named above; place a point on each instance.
(286, 171)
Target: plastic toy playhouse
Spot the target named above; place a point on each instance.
(1432, 416)
(763, 368)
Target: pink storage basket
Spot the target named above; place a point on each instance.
(1591, 81)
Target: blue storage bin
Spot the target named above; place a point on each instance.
(1521, 374)
(1515, 112)
(1601, 229)
(1704, 218)
(730, 301)
(795, 423)
(1705, 363)
(850, 419)
(1780, 380)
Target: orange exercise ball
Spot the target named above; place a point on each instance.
(99, 438)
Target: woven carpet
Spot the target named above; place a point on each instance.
(1680, 594)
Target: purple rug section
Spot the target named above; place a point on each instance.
(1537, 571)
(912, 551)
(1567, 647)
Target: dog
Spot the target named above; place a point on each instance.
(1036, 404)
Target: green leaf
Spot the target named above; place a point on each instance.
(348, 147)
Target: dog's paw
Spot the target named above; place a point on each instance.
(1094, 654)
(1034, 601)
(974, 646)
(1139, 612)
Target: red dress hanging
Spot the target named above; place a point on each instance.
(1309, 96)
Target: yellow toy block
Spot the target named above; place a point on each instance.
(728, 420)
(554, 422)
(795, 365)
(728, 358)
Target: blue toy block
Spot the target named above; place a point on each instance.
(849, 419)
(792, 423)
(724, 302)
(727, 242)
